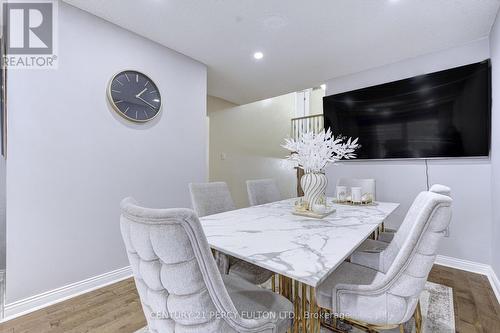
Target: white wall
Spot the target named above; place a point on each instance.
(495, 149)
(72, 159)
(249, 137)
(316, 101)
(400, 181)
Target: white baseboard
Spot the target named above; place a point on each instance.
(51, 297)
(473, 267)
(463, 265)
(495, 283)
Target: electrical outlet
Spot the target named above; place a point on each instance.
(223, 156)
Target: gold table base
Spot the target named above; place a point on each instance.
(306, 311)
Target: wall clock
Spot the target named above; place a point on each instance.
(134, 96)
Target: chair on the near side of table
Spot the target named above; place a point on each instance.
(383, 292)
(213, 198)
(180, 287)
(262, 191)
(384, 238)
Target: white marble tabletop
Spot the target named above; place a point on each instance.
(304, 249)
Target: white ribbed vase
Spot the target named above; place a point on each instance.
(314, 187)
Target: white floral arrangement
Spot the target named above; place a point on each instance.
(312, 152)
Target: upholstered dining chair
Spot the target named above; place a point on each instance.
(367, 185)
(180, 287)
(384, 238)
(262, 191)
(213, 198)
(382, 290)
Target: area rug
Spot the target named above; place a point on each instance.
(438, 315)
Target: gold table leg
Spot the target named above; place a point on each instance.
(303, 310)
(296, 306)
(306, 311)
(314, 311)
(418, 318)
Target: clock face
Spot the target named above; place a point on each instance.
(134, 96)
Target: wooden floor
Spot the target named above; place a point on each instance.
(111, 309)
(117, 309)
(476, 307)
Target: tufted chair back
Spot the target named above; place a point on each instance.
(367, 185)
(262, 191)
(179, 284)
(211, 198)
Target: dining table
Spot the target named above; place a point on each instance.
(301, 251)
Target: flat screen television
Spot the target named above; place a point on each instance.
(440, 115)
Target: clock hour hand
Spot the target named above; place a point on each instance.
(151, 105)
(142, 92)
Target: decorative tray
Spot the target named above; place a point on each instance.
(311, 214)
(350, 203)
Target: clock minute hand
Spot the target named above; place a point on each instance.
(151, 105)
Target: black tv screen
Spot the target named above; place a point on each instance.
(438, 115)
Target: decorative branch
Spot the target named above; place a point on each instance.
(313, 152)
